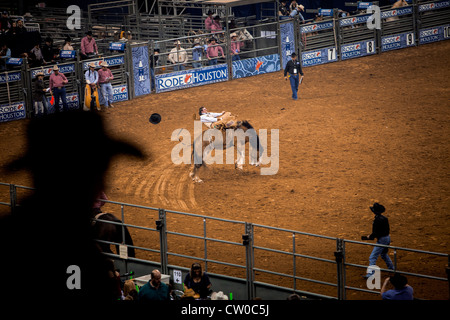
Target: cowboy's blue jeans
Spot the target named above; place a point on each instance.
(381, 251)
(294, 80)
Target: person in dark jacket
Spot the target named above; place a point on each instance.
(40, 104)
(294, 68)
(380, 231)
(198, 281)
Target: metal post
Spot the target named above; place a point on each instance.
(447, 270)
(13, 197)
(294, 261)
(247, 241)
(161, 227)
(205, 245)
(339, 258)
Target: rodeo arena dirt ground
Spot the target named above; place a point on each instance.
(374, 129)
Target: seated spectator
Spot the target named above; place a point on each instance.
(213, 51)
(209, 21)
(154, 289)
(36, 57)
(296, 11)
(198, 281)
(68, 44)
(283, 11)
(48, 52)
(401, 291)
(20, 28)
(5, 53)
(293, 5)
(129, 291)
(88, 47)
(293, 296)
(5, 22)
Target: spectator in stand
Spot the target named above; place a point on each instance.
(401, 291)
(36, 57)
(5, 22)
(153, 62)
(293, 5)
(47, 51)
(178, 56)
(216, 26)
(5, 53)
(88, 47)
(57, 84)
(235, 47)
(67, 44)
(296, 11)
(39, 100)
(154, 289)
(99, 203)
(198, 281)
(20, 28)
(104, 79)
(209, 21)
(284, 11)
(212, 53)
(197, 54)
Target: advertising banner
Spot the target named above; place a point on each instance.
(397, 41)
(358, 49)
(72, 99)
(434, 6)
(434, 34)
(191, 78)
(63, 68)
(287, 39)
(120, 93)
(10, 77)
(11, 112)
(141, 70)
(255, 66)
(319, 56)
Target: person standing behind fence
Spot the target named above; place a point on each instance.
(197, 54)
(57, 84)
(213, 51)
(209, 21)
(68, 44)
(216, 26)
(88, 47)
(178, 56)
(294, 68)
(380, 231)
(153, 62)
(104, 79)
(39, 95)
(235, 47)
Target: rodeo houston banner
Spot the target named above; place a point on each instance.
(141, 70)
(191, 78)
(255, 66)
(287, 42)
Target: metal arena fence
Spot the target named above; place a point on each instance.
(264, 46)
(251, 260)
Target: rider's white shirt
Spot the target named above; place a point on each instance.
(210, 117)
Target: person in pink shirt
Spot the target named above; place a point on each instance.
(57, 84)
(88, 46)
(104, 79)
(235, 47)
(213, 51)
(209, 21)
(216, 26)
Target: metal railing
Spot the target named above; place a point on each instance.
(239, 249)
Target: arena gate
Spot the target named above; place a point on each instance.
(13, 94)
(433, 21)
